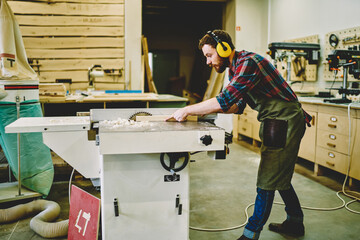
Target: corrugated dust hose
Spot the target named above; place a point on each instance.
(41, 223)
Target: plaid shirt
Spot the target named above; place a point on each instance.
(252, 72)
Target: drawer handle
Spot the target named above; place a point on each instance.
(331, 145)
(245, 120)
(332, 125)
(330, 154)
(333, 119)
(245, 113)
(313, 120)
(244, 129)
(330, 164)
(332, 136)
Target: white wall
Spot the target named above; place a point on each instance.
(133, 44)
(229, 18)
(300, 18)
(252, 17)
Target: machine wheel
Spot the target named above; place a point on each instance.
(176, 161)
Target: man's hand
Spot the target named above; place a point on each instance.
(199, 109)
(180, 115)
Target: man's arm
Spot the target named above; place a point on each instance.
(203, 108)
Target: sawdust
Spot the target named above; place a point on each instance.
(123, 123)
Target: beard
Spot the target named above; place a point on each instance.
(223, 64)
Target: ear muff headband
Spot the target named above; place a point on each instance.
(222, 48)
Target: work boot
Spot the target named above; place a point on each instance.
(296, 229)
(243, 238)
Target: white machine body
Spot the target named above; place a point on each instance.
(138, 200)
(25, 90)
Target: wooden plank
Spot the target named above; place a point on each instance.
(71, 31)
(142, 74)
(110, 79)
(76, 76)
(91, 9)
(78, 64)
(76, 53)
(79, 1)
(35, 20)
(52, 89)
(73, 42)
(150, 81)
(77, 86)
(215, 84)
(162, 118)
(109, 86)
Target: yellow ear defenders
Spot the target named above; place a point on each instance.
(222, 48)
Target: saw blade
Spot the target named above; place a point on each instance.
(133, 117)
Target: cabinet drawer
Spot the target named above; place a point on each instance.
(250, 113)
(245, 119)
(245, 128)
(333, 141)
(256, 129)
(334, 123)
(332, 159)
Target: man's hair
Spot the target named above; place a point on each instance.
(222, 35)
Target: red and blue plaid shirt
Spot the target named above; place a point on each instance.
(252, 72)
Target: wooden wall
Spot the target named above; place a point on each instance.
(63, 39)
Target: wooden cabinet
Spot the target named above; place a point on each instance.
(332, 159)
(355, 156)
(247, 124)
(331, 141)
(308, 142)
(333, 138)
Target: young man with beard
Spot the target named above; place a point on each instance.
(256, 82)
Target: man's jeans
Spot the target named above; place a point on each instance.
(263, 204)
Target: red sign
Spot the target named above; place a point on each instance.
(84, 215)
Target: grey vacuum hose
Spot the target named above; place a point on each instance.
(41, 223)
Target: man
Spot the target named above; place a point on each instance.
(256, 82)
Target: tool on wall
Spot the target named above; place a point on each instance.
(94, 72)
(349, 60)
(281, 51)
(333, 40)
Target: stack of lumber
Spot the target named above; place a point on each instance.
(52, 92)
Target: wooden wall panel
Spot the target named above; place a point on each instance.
(34, 20)
(67, 8)
(75, 53)
(64, 38)
(71, 31)
(74, 42)
(75, 76)
(98, 86)
(76, 64)
(80, 1)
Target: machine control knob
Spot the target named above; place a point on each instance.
(206, 140)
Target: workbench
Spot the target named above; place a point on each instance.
(70, 105)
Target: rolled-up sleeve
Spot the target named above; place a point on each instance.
(241, 104)
(247, 75)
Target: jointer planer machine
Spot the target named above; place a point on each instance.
(142, 166)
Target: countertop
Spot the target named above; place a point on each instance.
(320, 101)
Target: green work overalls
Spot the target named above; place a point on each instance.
(277, 163)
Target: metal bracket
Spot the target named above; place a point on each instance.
(172, 178)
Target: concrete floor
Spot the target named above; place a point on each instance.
(219, 192)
